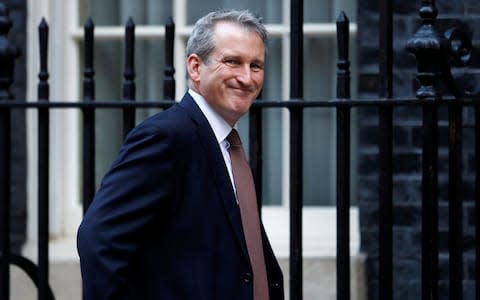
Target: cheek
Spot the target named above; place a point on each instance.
(258, 79)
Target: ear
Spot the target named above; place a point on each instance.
(193, 67)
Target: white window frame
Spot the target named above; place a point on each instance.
(319, 230)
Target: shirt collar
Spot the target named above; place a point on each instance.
(220, 127)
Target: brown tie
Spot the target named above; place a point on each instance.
(242, 176)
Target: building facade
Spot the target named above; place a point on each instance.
(18, 214)
(407, 143)
(66, 20)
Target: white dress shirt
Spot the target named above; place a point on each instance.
(220, 127)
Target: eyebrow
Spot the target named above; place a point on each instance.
(239, 57)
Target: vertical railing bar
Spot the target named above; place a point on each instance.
(385, 149)
(8, 54)
(430, 203)
(296, 203)
(43, 166)
(296, 150)
(385, 218)
(88, 174)
(455, 196)
(169, 80)
(4, 202)
(256, 149)
(426, 45)
(477, 202)
(129, 77)
(296, 51)
(343, 203)
(386, 48)
(343, 160)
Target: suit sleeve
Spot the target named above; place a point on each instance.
(132, 196)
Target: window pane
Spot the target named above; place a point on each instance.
(319, 123)
(316, 11)
(272, 158)
(319, 72)
(115, 12)
(272, 126)
(319, 76)
(318, 157)
(269, 10)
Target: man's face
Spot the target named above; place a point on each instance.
(231, 79)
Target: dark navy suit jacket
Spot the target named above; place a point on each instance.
(165, 223)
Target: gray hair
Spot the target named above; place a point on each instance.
(201, 40)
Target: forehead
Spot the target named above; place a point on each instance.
(225, 29)
(231, 36)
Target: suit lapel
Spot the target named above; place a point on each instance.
(218, 169)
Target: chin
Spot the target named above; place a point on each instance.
(242, 109)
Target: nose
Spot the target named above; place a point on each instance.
(244, 75)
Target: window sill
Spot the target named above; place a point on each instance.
(319, 231)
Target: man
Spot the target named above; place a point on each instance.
(168, 221)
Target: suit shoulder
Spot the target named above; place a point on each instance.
(172, 122)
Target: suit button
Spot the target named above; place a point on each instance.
(274, 285)
(247, 277)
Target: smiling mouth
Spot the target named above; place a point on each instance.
(242, 93)
(244, 90)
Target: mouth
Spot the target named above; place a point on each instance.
(242, 93)
(242, 90)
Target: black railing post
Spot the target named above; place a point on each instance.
(458, 53)
(385, 149)
(88, 162)
(430, 202)
(343, 160)
(427, 47)
(255, 138)
(296, 150)
(4, 193)
(455, 197)
(43, 166)
(129, 77)
(8, 54)
(477, 201)
(169, 80)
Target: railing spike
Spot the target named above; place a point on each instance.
(343, 73)
(89, 23)
(129, 88)
(129, 71)
(88, 163)
(130, 22)
(43, 89)
(169, 80)
(88, 82)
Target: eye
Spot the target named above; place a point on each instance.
(231, 62)
(256, 67)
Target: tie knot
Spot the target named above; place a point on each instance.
(234, 139)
